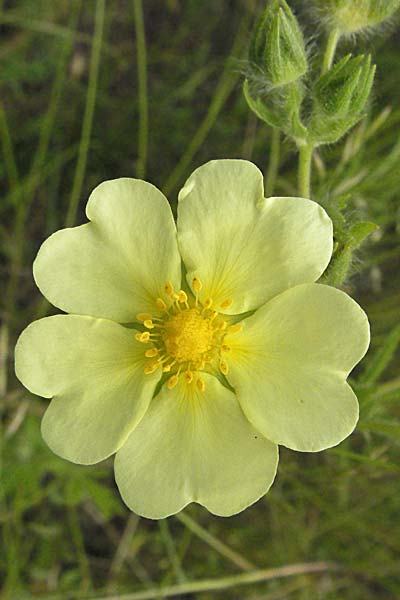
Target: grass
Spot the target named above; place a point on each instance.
(91, 92)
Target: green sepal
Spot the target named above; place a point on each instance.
(280, 109)
(271, 116)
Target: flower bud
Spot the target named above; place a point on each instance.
(277, 46)
(340, 96)
(351, 16)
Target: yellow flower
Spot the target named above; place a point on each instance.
(193, 379)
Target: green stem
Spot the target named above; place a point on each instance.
(237, 559)
(304, 176)
(8, 150)
(172, 553)
(224, 583)
(88, 115)
(141, 61)
(78, 541)
(273, 163)
(330, 50)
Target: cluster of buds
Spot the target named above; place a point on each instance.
(353, 16)
(274, 88)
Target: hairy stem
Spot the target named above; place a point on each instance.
(273, 164)
(304, 174)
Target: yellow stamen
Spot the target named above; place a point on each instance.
(223, 367)
(182, 297)
(169, 288)
(149, 324)
(226, 303)
(189, 376)
(201, 384)
(143, 337)
(196, 284)
(208, 303)
(161, 304)
(151, 367)
(235, 328)
(151, 352)
(172, 381)
(167, 368)
(225, 348)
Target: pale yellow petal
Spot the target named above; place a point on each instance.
(289, 366)
(243, 248)
(116, 265)
(194, 446)
(93, 370)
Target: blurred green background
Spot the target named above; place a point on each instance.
(71, 116)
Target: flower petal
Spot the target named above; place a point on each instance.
(194, 446)
(93, 369)
(289, 365)
(243, 247)
(117, 265)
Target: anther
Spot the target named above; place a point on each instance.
(226, 303)
(151, 367)
(143, 337)
(172, 381)
(149, 324)
(196, 284)
(151, 353)
(167, 368)
(182, 297)
(189, 376)
(169, 288)
(225, 348)
(143, 317)
(161, 304)
(200, 384)
(235, 328)
(223, 367)
(208, 303)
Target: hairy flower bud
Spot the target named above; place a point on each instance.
(351, 16)
(277, 48)
(340, 97)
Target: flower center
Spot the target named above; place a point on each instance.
(188, 336)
